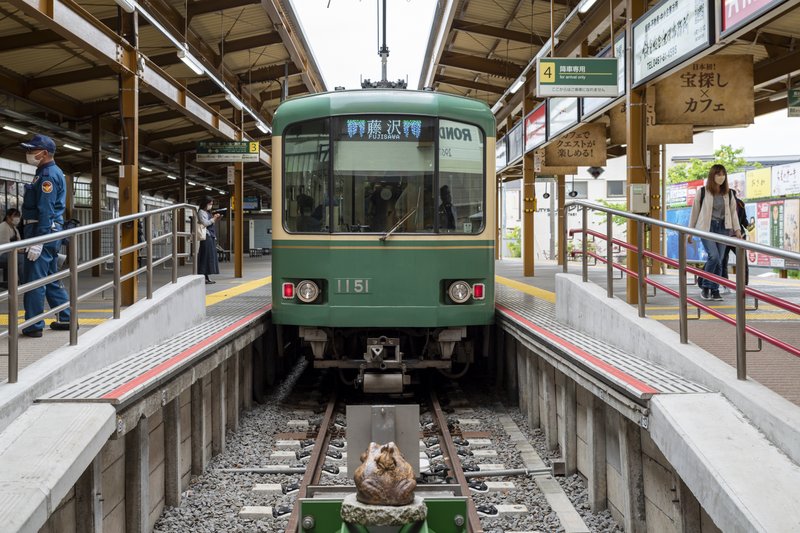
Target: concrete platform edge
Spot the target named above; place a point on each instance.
(585, 307)
(173, 309)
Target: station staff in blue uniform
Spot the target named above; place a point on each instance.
(43, 214)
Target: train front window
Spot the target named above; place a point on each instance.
(461, 178)
(383, 174)
(306, 176)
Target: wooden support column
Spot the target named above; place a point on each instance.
(551, 421)
(596, 442)
(562, 217)
(198, 427)
(511, 385)
(570, 421)
(528, 185)
(635, 116)
(217, 410)
(247, 378)
(654, 244)
(533, 389)
(137, 478)
(182, 200)
(172, 453)
(630, 452)
(498, 248)
(238, 230)
(129, 178)
(232, 394)
(88, 503)
(98, 186)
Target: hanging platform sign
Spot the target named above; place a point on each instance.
(670, 32)
(227, 152)
(536, 128)
(585, 146)
(541, 169)
(656, 134)
(737, 13)
(793, 102)
(713, 91)
(576, 76)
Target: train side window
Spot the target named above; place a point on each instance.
(462, 186)
(306, 177)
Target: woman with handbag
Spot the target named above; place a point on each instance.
(207, 240)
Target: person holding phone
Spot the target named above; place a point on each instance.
(207, 262)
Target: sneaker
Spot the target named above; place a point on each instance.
(715, 295)
(61, 326)
(705, 294)
(35, 333)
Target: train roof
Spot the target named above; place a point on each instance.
(368, 101)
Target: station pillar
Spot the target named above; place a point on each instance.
(129, 169)
(238, 230)
(182, 200)
(97, 186)
(562, 217)
(528, 189)
(654, 242)
(635, 113)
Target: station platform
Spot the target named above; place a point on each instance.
(771, 367)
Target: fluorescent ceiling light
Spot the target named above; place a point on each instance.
(586, 5)
(496, 107)
(170, 176)
(191, 183)
(126, 5)
(778, 96)
(73, 147)
(519, 82)
(15, 130)
(190, 61)
(146, 169)
(222, 192)
(113, 159)
(207, 188)
(235, 102)
(263, 128)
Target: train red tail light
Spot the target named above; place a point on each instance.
(478, 291)
(288, 291)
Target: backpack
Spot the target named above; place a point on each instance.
(741, 214)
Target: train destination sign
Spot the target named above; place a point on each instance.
(382, 128)
(576, 76)
(227, 151)
(668, 33)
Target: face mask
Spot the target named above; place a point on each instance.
(15, 220)
(32, 159)
(208, 207)
(720, 179)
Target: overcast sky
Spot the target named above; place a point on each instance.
(343, 38)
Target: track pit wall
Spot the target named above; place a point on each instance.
(149, 462)
(598, 433)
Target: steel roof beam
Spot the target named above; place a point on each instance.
(496, 67)
(500, 33)
(246, 43)
(202, 7)
(461, 82)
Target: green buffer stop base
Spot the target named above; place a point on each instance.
(445, 515)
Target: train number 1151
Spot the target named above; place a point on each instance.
(352, 286)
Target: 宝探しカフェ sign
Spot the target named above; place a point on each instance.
(670, 32)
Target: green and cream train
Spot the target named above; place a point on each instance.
(383, 231)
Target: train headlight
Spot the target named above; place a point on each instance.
(459, 291)
(307, 291)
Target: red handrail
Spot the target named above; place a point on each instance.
(778, 302)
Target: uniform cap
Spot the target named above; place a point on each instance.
(42, 142)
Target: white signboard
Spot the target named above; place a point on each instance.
(562, 113)
(670, 32)
(590, 105)
(500, 154)
(786, 179)
(460, 147)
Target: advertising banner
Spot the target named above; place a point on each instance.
(738, 182)
(694, 251)
(713, 91)
(656, 133)
(759, 183)
(676, 194)
(786, 179)
(536, 128)
(514, 139)
(562, 113)
(691, 190)
(668, 33)
(500, 155)
(737, 13)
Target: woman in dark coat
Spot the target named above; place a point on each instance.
(207, 250)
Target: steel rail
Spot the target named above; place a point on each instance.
(451, 457)
(315, 462)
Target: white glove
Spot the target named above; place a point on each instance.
(34, 252)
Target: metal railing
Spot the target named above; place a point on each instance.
(12, 295)
(741, 289)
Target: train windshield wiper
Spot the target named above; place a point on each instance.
(399, 223)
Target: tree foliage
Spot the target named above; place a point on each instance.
(697, 169)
